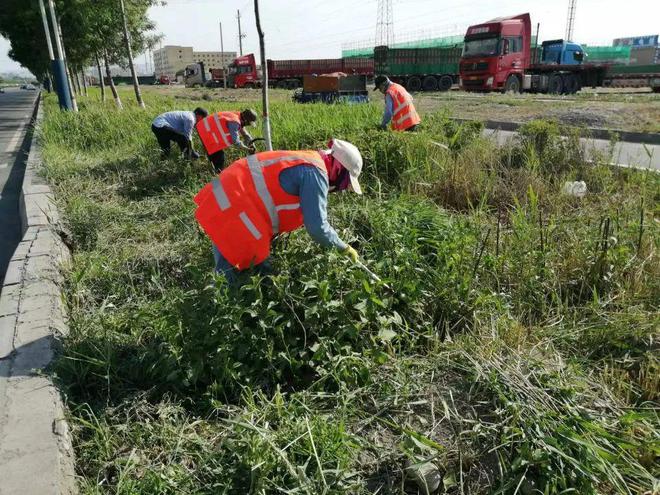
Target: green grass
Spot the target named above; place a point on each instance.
(516, 352)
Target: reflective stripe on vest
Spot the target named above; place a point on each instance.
(208, 129)
(262, 191)
(220, 195)
(292, 206)
(225, 138)
(249, 225)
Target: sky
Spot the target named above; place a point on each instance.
(319, 28)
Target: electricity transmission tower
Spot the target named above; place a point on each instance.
(570, 20)
(384, 23)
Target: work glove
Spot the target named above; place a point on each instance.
(351, 254)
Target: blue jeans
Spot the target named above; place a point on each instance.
(231, 273)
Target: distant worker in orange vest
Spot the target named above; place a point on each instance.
(268, 193)
(399, 108)
(220, 130)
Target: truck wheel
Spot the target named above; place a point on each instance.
(430, 83)
(282, 84)
(571, 84)
(293, 84)
(512, 84)
(414, 84)
(446, 82)
(555, 84)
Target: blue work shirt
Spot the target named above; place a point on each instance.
(234, 128)
(311, 186)
(180, 122)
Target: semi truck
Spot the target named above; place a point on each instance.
(289, 74)
(195, 75)
(497, 56)
(428, 69)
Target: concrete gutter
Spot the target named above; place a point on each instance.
(36, 456)
(592, 132)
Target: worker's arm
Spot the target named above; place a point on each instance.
(234, 130)
(187, 126)
(312, 187)
(389, 111)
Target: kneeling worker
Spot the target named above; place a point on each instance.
(177, 126)
(221, 130)
(399, 106)
(272, 192)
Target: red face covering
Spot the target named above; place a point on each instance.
(338, 176)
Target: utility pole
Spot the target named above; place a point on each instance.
(264, 79)
(51, 57)
(240, 33)
(129, 52)
(57, 64)
(222, 55)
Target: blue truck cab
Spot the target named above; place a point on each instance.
(560, 52)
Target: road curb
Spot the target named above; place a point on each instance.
(592, 132)
(36, 455)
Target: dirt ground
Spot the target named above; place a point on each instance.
(623, 109)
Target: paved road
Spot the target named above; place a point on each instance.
(16, 108)
(625, 154)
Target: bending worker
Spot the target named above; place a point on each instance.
(221, 130)
(177, 126)
(399, 108)
(272, 192)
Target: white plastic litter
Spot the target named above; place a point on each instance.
(575, 188)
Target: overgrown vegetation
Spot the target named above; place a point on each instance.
(514, 352)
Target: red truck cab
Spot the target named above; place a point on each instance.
(496, 54)
(243, 72)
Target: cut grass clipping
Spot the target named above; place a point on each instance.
(515, 351)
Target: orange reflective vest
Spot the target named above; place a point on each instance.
(245, 206)
(214, 132)
(404, 113)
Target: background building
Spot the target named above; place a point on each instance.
(214, 60)
(170, 59)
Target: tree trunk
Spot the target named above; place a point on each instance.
(264, 79)
(112, 83)
(129, 53)
(72, 88)
(101, 81)
(84, 80)
(78, 89)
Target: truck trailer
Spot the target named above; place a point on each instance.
(497, 56)
(428, 69)
(289, 74)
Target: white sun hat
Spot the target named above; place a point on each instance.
(348, 155)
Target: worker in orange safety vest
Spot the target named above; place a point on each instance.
(399, 108)
(272, 192)
(220, 130)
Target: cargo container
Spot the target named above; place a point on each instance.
(644, 55)
(333, 88)
(289, 73)
(428, 69)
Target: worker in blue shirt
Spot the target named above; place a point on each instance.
(343, 163)
(177, 126)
